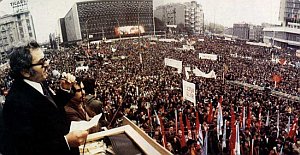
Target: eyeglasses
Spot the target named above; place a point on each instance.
(79, 90)
(44, 62)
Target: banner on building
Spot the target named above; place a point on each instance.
(174, 63)
(189, 91)
(128, 30)
(208, 56)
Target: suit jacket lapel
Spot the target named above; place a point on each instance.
(37, 93)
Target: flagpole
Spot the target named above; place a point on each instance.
(223, 77)
(252, 144)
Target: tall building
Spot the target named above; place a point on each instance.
(189, 14)
(289, 11)
(241, 31)
(288, 34)
(15, 27)
(98, 19)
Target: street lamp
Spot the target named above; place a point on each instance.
(87, 34)
(119, 28)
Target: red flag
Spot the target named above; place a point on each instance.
(259, 119)
(163, 132)
(182, 141)
(276, 78)
(197, 122)
(292, 132)
(249, 117)
(233, 130)
(282, 61)
(210, 114)
(188, 124)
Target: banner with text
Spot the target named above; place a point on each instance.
(208, 56)
(189, 91)
(174, 63)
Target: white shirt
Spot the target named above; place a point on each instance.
(35, 85)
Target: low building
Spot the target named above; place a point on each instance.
(241, 31)
(288, 36)
(256, 33)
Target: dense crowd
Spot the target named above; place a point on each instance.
(133, 82)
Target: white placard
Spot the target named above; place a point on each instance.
(85, 125)
(174, 63)
(208, 56)
(189, 91)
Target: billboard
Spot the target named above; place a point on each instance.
(129, 30)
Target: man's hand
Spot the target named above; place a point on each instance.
(67, 81)
(76, 138)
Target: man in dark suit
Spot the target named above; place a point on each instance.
(34, 117)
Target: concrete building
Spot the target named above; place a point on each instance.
(289, 11)
(288, 34)
(256, 33)
(228, 31)
(189, 14)
(241, 31)
(13, 29)
(98, 19)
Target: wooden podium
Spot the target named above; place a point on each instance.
(145, 143)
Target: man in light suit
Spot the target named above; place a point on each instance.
(34, 118)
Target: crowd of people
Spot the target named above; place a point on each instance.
(134, 82)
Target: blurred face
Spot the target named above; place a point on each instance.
(179, 133)
(79, 94)
(39, 65)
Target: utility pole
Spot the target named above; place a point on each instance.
(153, 20)
(119, 28)
(87, 34)
(102, 33)
(139, 26)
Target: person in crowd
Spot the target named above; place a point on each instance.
(75, 108)
(34, 118)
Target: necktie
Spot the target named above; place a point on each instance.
(47, 94)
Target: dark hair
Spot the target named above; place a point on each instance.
(20, 59)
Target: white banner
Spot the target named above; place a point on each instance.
(198, 72)
(82, 68)
(208, 56)
(174, 63)
(188, 47)
(189, 91)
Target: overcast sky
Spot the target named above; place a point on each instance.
(226, 12)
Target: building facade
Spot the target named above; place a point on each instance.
(15, 28)
(241, 31)
(256, 33)
(189, 14)
(289, 11)
(288, 33)
(98, 19)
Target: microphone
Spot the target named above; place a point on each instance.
(63, 76)
(56, 74)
